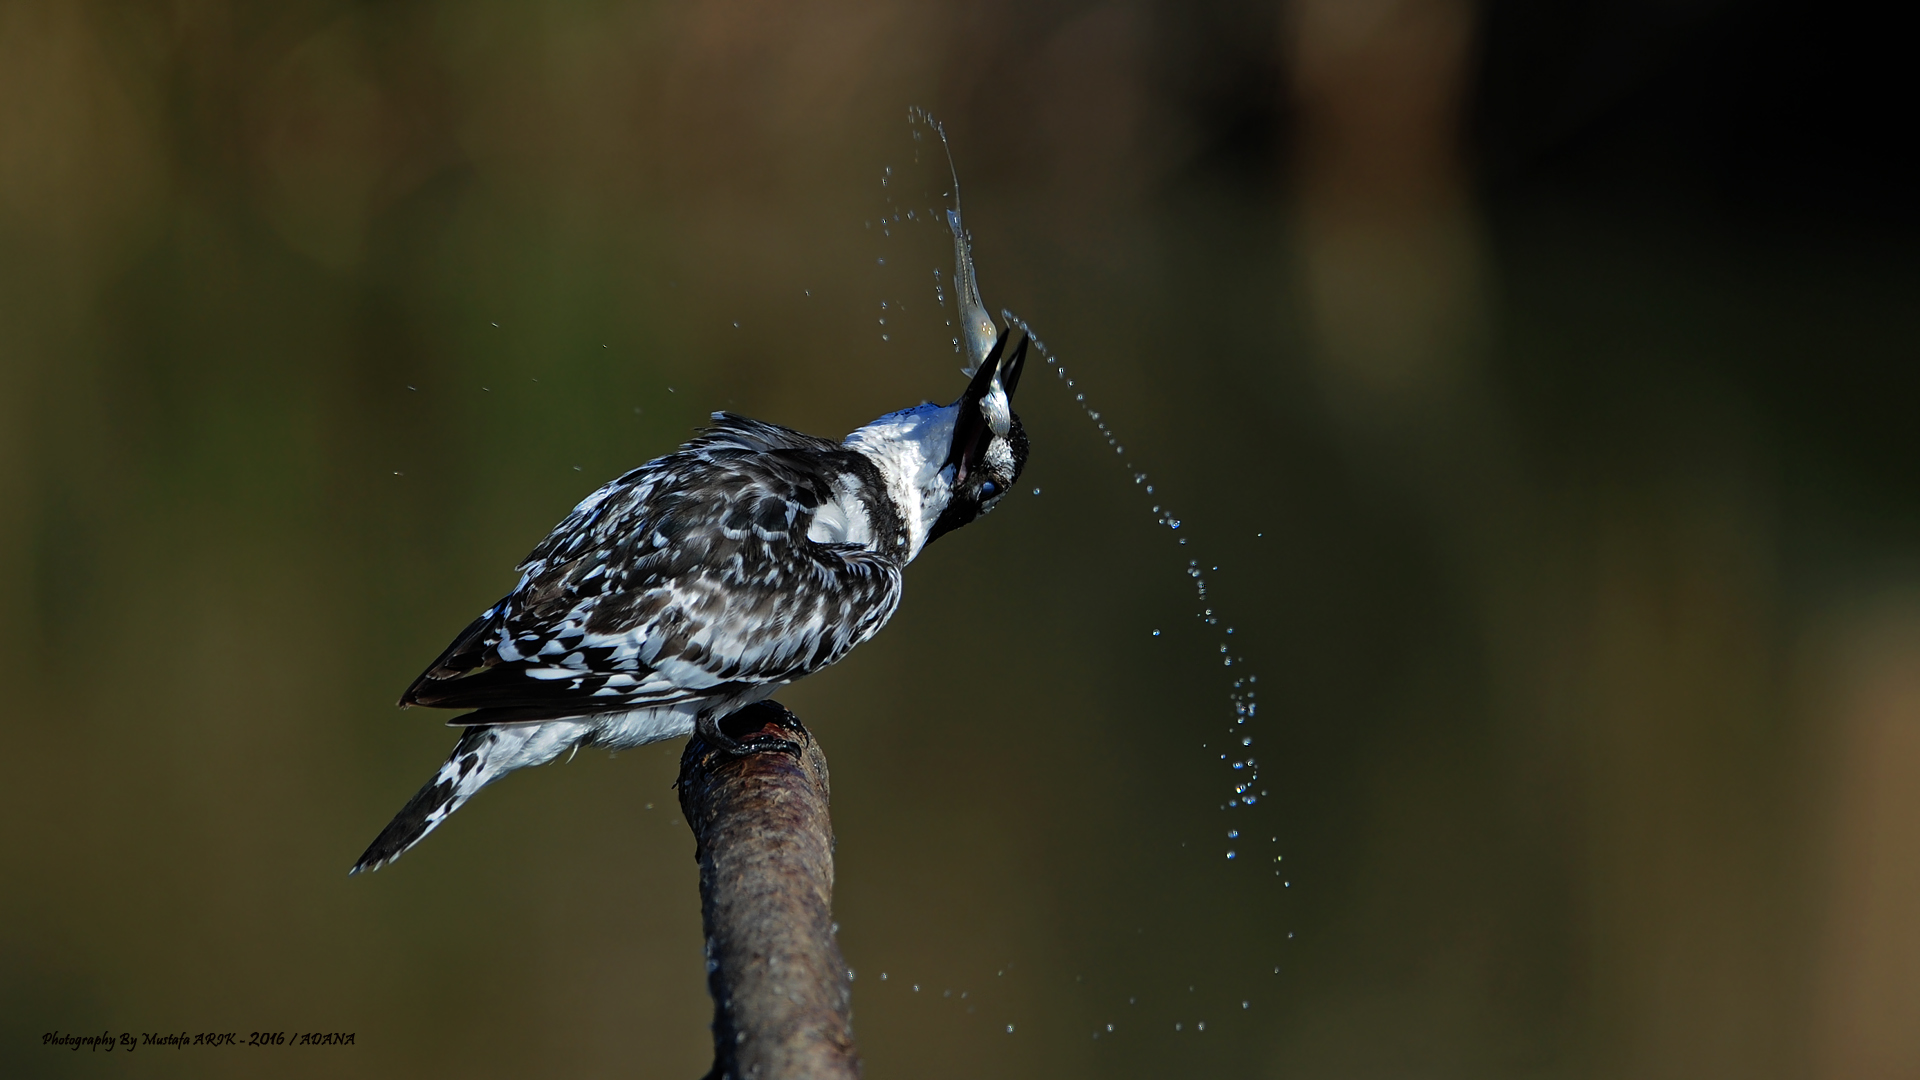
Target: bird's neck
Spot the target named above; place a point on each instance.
(910, 448)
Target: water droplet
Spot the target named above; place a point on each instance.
(1156, 633)
(1009, 1029)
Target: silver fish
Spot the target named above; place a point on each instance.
(976, 326)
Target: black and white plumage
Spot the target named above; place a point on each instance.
(707, 579)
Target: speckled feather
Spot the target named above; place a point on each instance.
(689, 577)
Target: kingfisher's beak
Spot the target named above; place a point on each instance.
(986, 408)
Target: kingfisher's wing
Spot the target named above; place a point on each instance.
(689, 577)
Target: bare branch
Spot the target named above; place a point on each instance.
(781, 993)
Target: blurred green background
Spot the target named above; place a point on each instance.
(1539, 378)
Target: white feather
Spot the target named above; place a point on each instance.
(843, 520)
(910, 449)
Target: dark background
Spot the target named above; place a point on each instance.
(1538, 377)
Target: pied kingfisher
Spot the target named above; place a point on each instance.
(705, 580)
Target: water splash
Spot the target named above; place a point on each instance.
(972, 338)
(1244, 779)
(913, 210)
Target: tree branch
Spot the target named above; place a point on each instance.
(781, 993)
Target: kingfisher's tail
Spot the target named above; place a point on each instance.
(483, 755)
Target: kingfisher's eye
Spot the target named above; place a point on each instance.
(989, 489)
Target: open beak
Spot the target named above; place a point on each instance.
(986, 408)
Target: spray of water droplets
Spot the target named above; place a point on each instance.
(1243, 767)
(911, 202)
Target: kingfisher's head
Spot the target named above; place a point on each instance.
(944, 466)
(989, 447)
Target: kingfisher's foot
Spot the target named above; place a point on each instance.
(757, 733)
